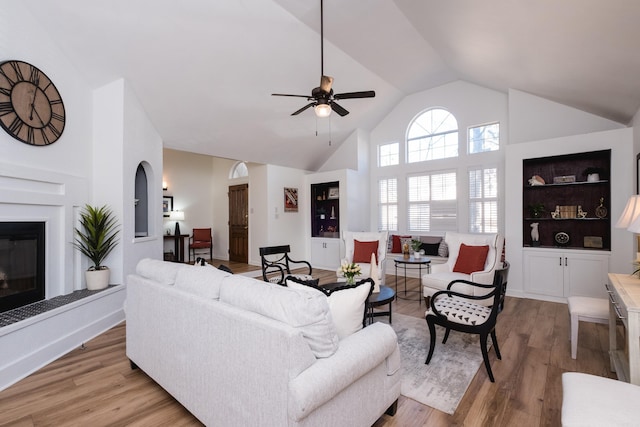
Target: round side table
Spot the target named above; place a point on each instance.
(412, 264)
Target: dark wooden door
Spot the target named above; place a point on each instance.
(239, 223)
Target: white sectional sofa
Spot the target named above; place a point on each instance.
(236, 351)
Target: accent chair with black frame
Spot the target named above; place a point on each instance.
(276, 264)
(469, 313)
(201, 239)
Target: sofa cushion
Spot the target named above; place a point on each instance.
(306, 311)
(396, 245)
(430, 239)
(202, 281)
(443, 249)
(159, 271)
(362, 251)
(430, 248)
(471, 258)
(347, 303)
(462, 311)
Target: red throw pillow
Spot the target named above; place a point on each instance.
(396, 245)
(362, 251)
(471, 258)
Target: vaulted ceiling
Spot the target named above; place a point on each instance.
(204, 70)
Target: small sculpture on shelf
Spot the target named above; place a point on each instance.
(593, 174)
(556, 214)
(601, 211)
(581, 213)
(535, 234)
(536, 180)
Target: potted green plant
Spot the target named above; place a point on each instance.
(536, 210)
(95, 239)
(415, 245)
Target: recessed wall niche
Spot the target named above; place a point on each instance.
(141, 202)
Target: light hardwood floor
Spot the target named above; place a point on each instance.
(95, 385)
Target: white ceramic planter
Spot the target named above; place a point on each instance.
(97, 279)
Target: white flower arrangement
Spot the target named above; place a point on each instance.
(349, 270)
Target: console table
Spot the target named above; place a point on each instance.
(624, 298)
(178, 244)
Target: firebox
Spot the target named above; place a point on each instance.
(22, 252)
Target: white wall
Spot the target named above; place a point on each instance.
(142, 144)
(221, 183)
(124, 137)
(282, 228)
(190, 181)
(51, 183)
(533, 118)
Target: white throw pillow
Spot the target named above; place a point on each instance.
(303, 310)
(202, 281)
(347, 304)
(160, 271)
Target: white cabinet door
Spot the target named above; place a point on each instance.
(325, 253)
(543, 274)
(586, 274)
(561, 274)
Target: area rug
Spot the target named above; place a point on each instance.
(442, 383)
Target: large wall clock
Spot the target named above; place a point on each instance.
(31, 108)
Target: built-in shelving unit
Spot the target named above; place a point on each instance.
(325, 210)
(582, 193)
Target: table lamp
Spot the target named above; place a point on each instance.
(177, 216)
(630, 219)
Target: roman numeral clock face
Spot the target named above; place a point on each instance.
(31, 109)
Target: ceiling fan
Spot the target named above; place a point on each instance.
(322, 97)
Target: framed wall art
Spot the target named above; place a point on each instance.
(334, 193)
(167, 206)
(290, 199)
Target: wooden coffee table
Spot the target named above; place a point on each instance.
(385, 296)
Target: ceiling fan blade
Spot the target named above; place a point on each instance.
(338, 109)
(325, 83)
(284, 94)
(311, 104)
(352, 95)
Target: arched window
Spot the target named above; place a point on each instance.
(433, 134)
(239, 170)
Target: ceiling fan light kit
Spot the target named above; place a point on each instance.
(322, 110)
(322, 98)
